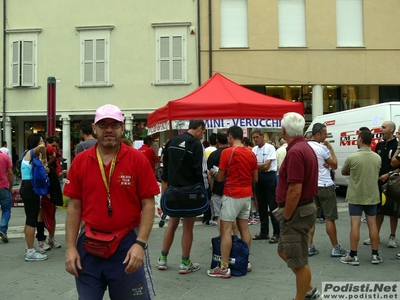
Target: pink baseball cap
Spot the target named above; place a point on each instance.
(108, 111)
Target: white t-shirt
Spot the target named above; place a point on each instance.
(266, 152)
(323, 154)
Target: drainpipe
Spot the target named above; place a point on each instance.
(210, 38)
(198, 44)
(4, 69)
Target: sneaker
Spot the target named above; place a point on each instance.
(253, 221)
(352, 261)
(249, 268)
(35, 256)
(43, 246)
(161, 264)
(53, 244)
(4, 237)
(376, 259)
(212, 223)
(364, 219)
(398, 255)
(219, 273)
(312, 251)
(391, 244)
(186, 269)
(314, 295)
(367, 242)
(338, 251)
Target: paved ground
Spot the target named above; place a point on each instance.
(270, 279)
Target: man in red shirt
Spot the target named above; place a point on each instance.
(6, 184)
(238, 165)
(298, 183)
(149, 152)
(111, 188)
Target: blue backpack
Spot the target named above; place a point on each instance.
(40, 181)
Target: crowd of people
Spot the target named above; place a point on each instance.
(249, 180)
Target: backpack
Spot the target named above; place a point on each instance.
(40, 181)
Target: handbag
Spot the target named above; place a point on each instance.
(238, 258)
(188, 201)
(102, 243)
(392, 187)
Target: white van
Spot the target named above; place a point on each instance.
(343, 128)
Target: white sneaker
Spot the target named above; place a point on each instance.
(376, 259)
(392, 242)
(35, 256)
(367, 242)
(53, 244)
(43, 246)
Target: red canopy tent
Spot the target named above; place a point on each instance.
(225, 101)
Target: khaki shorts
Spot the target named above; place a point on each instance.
(216, 205)
(326, 200)
(233, 208)
(293, 241)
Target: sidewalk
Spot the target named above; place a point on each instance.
(270, 278)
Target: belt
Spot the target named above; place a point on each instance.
(301, 204)
(267, 172)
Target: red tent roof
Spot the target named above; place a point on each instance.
(221, 98)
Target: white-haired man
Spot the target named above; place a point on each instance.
(297, 185)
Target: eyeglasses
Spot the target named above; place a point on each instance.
(104, 125)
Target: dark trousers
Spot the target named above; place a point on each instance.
(265, 191)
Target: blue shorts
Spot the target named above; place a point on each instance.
(357, 210)
(98, 274)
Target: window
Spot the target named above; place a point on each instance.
(292, 23)
(234, 32)
(23, 57)
(171, 52)
(95, 55)
(349, 23)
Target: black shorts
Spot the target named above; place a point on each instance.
(31, 203)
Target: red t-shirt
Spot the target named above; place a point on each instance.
(299, 166)
(132, 181)
(239, 171)
(150, 155)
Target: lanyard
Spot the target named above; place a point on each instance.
(103, 174)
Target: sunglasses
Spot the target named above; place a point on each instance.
(104, 125)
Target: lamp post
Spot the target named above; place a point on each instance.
(51, 106)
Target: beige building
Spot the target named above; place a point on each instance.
(331, 55)
(134, 54)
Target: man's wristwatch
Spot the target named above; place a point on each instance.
(144, 245)
(284, 220)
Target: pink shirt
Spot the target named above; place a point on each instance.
(5, 164)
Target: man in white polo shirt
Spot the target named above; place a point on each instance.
(266, 186)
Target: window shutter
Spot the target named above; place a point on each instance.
(15, 65)
(164, 58)
(88, 62)
(234, 32)
(349, 23)
(292, 23)
(177, 57)
(27, 70)
(100, 61)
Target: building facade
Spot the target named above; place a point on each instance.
(332, 55)
(134, 54)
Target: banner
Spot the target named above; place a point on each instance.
(270, 124)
